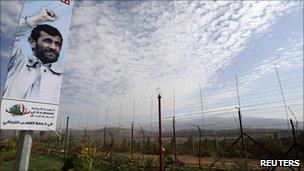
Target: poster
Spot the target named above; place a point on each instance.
(31, 93)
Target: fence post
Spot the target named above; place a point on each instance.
(282, 93)
(66, 137)
(243, 140)
(216, 144)
(104, 136)
(240, 120)
(132, 136)
(85, 134)
(174, 140)
(143, 143)
(294, 139)
(160, 151)
(199, 147)
(23, 150)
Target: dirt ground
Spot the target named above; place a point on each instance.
(222, 163)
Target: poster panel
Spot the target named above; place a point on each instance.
(31, 93)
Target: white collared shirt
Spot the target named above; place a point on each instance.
(28, 78)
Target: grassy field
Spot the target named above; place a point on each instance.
(37, 162)
(40, 162)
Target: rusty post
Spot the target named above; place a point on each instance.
(160, 135)
(174, 140)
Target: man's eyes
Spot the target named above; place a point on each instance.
(57, 44)
(49, 41)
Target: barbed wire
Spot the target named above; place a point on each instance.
(263, 97)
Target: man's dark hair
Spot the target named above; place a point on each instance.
(35, 34)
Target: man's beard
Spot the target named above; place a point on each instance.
(46, 55)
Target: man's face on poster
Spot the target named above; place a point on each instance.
(46, 48)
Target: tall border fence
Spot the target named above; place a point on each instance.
(212, 128)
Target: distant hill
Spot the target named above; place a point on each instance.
(213, 126)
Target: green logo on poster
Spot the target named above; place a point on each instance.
(18, 109)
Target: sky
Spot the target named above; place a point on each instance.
(123, 53)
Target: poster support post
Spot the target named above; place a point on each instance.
(23, 151)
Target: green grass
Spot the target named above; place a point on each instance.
(7, 160)
(37, 162)
(40, 162)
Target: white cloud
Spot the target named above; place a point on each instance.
(125, 52)
(285, 58)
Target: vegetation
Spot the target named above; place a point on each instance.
(47, 152)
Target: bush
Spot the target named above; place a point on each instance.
(8, 144)
(83, 156)
(300, 138)
(123, 162)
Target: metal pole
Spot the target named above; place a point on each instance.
(23, 150)
(174, 103)
(132, 129)
(132, 136)
(160, 135)
(100, 132)
(119, 123)
(216, 144)
(85, 134)
(240, 121)
(201, 98)
(104, 136)
(238, 94)
(60, 131)
(143, 143)
(105, 128)
(151, 116)
(107, 115)
(119, 119)
(174, 135)
(174, 140)
(294, 139)
(133, 119)
(87, 120)
(199, 147)
(66, 137)
(86, 127)
(97, 116)
(283, 97)
(243, 140)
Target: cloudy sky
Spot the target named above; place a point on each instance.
(122, 51)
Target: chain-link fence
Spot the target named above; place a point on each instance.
(211, 128)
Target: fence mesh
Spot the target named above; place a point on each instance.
(123, 136)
